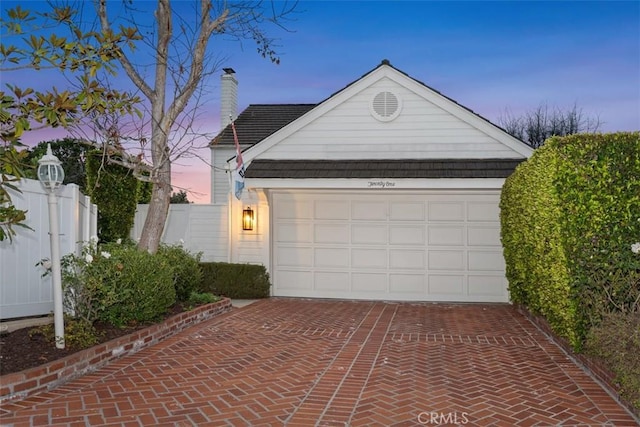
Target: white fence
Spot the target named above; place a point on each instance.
(202, 228)
(23, 290)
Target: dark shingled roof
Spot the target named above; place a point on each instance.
(259, 121)
(405, 168)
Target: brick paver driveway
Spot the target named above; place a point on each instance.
(305, 363)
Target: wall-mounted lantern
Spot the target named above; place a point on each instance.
(248, 219)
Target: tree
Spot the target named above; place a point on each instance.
(180, 197)
(535, 126)
(168, 72)
(28, 109)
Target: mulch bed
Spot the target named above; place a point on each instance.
(19, 351)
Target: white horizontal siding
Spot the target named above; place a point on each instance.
(422, 130)
(219, 176)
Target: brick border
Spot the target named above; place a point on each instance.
(18, 385)
(594, 367)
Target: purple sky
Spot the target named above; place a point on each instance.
(488, 56)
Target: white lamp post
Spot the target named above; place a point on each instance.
(51, 175)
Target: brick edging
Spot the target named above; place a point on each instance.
(593, 366)
(18, 385)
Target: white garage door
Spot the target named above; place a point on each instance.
(389, 246)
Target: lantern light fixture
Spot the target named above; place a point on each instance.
(51, 175)
(50, 172)
(248, 219)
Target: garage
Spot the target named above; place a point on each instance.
(389, 245)
(385, 190)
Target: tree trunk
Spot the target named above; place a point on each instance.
(157, 212)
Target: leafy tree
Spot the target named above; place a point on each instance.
(24, 109)
(168, 73)
(535, 126)
(180, 197)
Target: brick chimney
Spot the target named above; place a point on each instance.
(228, 97)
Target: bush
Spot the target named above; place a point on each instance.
(569, 216)
(201, 298)
(143, 284)
(243, 281)
(114, 189)
(616, 341)
(78, 333)
(187, 274)
(536, 266)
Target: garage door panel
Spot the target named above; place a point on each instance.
(483, 211)
(331, 257)
(446, 211)
(440, 284)
(446, 235)
(369, 211)
(290, 256)
(407, 235)
(407, 259)
(331, 233)
(369, 258)
(331, 281)
(293, 232)
(486, 285)
(486, 261)
(294, 280)
(407, 211)
(369, 234)
(446, 260)
(369, 282)
(407, 283)
(295, 209)
(483, 236)
(332, 209)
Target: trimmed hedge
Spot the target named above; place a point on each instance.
(114, 189)
(243, 281)
(569, 216)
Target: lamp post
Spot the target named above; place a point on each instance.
(51, 175)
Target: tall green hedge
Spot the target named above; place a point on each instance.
(569, 217)
(536, 265)
(114, 190)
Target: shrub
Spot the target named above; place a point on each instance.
(244, 281)
(187, 274)
(114, 189)
(568, 216)
(78, 333)
(200, 298)
(536, 266)
(616, 341)
(143, 284)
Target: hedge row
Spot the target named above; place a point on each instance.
(243, 281)
(569, 216)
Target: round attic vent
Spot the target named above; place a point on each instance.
(385, 106)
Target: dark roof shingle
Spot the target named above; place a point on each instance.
(396, 168)
(259, 121)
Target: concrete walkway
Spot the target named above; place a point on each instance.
(337, 363)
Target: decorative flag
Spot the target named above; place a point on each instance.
(238, 173)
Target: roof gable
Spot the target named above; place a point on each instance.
(430, 125)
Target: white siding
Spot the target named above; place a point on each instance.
(219, 176)
(203, 228)
(422, 130)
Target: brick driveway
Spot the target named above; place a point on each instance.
(337, 363)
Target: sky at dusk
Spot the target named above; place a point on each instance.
(488, 56)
